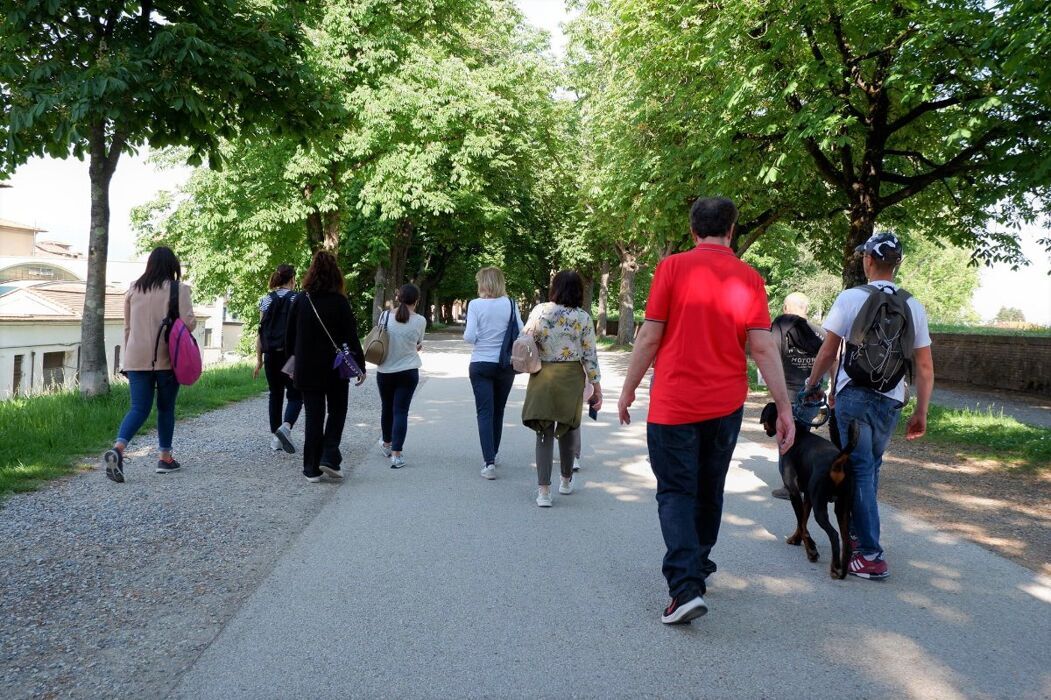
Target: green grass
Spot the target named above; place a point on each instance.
(1036, 331)
(44, 436)
(609, 343)
(987, 435)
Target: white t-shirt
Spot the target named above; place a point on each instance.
(487, 321)
(843, 312)
(404, 337)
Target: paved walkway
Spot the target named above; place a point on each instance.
(1025, 408)
(432, 582)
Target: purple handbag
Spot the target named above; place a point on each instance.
(344, 364)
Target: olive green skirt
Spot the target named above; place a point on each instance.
(555, 396)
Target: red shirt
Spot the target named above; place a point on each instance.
(708, 300)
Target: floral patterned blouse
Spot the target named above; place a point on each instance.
(564, 335)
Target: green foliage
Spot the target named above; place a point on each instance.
(1009, 314)
(45, 436)
(164, 73)
(437, 163)
(987, 435)
(828, 117)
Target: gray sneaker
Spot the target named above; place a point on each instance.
(384, 448)
(489, 471)
(397, 462)
(284, 436)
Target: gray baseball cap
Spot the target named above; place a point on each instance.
(882, 246)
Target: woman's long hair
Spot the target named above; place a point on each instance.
(162, 266)
(324, 275)
(567, 289)
(408, 294)
(282, 276)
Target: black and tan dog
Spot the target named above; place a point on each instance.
(816, 472)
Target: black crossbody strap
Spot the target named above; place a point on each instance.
(323, 327)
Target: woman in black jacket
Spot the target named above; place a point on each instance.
(323, 306)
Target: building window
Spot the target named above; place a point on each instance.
(54, 370)
(116, 360)
(36, 271)
(207, 337)
(16, 384)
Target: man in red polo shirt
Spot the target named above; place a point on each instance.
(704, 306)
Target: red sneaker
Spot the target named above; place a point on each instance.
(863, 567)
(682, 611)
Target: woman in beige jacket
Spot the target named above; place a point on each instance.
(146, 361)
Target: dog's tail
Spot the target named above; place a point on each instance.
(838, 470)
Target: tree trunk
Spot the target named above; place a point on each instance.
(379, 298)
(629, 266)
(862, 224)
(331, 232)
(399, 255)
(603, 299)
(94, 377)
(589, 291)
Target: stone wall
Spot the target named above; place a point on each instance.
(1010, 363)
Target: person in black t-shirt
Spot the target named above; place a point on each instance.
(799, 340)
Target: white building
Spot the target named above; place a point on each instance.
(41, 302)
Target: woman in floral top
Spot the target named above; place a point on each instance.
(554, 401)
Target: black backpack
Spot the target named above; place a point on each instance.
(879, 348)
(274, 323)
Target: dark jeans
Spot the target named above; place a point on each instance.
(322, 437)
(690, 462)
(281, 385)
(492, 386)
(396, 390)
(142, 385)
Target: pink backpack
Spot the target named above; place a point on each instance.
(182, 346)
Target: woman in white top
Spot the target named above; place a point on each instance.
(399, 374)
(488, 320)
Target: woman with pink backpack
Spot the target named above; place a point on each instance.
(147, 363)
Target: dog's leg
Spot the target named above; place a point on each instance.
(843, 505)
(796, 538)
(821, 516)
(808, 541)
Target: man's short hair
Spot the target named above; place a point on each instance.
(712, 216)
(796, 302)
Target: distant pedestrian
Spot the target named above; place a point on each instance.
(798, 341)
(554, 399)
(399, 374)
(271, 353)
(488, 319)
(704, 306)
(146, 361)
(870, 323)
(320, 319)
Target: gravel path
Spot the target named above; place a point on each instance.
(113, 590)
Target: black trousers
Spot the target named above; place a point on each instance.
(322, 437)
(281, 385)
(396, 390)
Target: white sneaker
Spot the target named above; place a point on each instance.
(543, 499)
(489, 471)
(566, 487)
(576, 464)
(275, 444)
(496, 460)
(397, 462)
(284, 438)
(384, 448)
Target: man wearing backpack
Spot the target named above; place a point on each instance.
(799, 341)
(273, 322)
(884, 334)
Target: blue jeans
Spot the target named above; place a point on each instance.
(877, 416)
(491, 385)
(690, 462)
(396, 390)
(142, 385)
